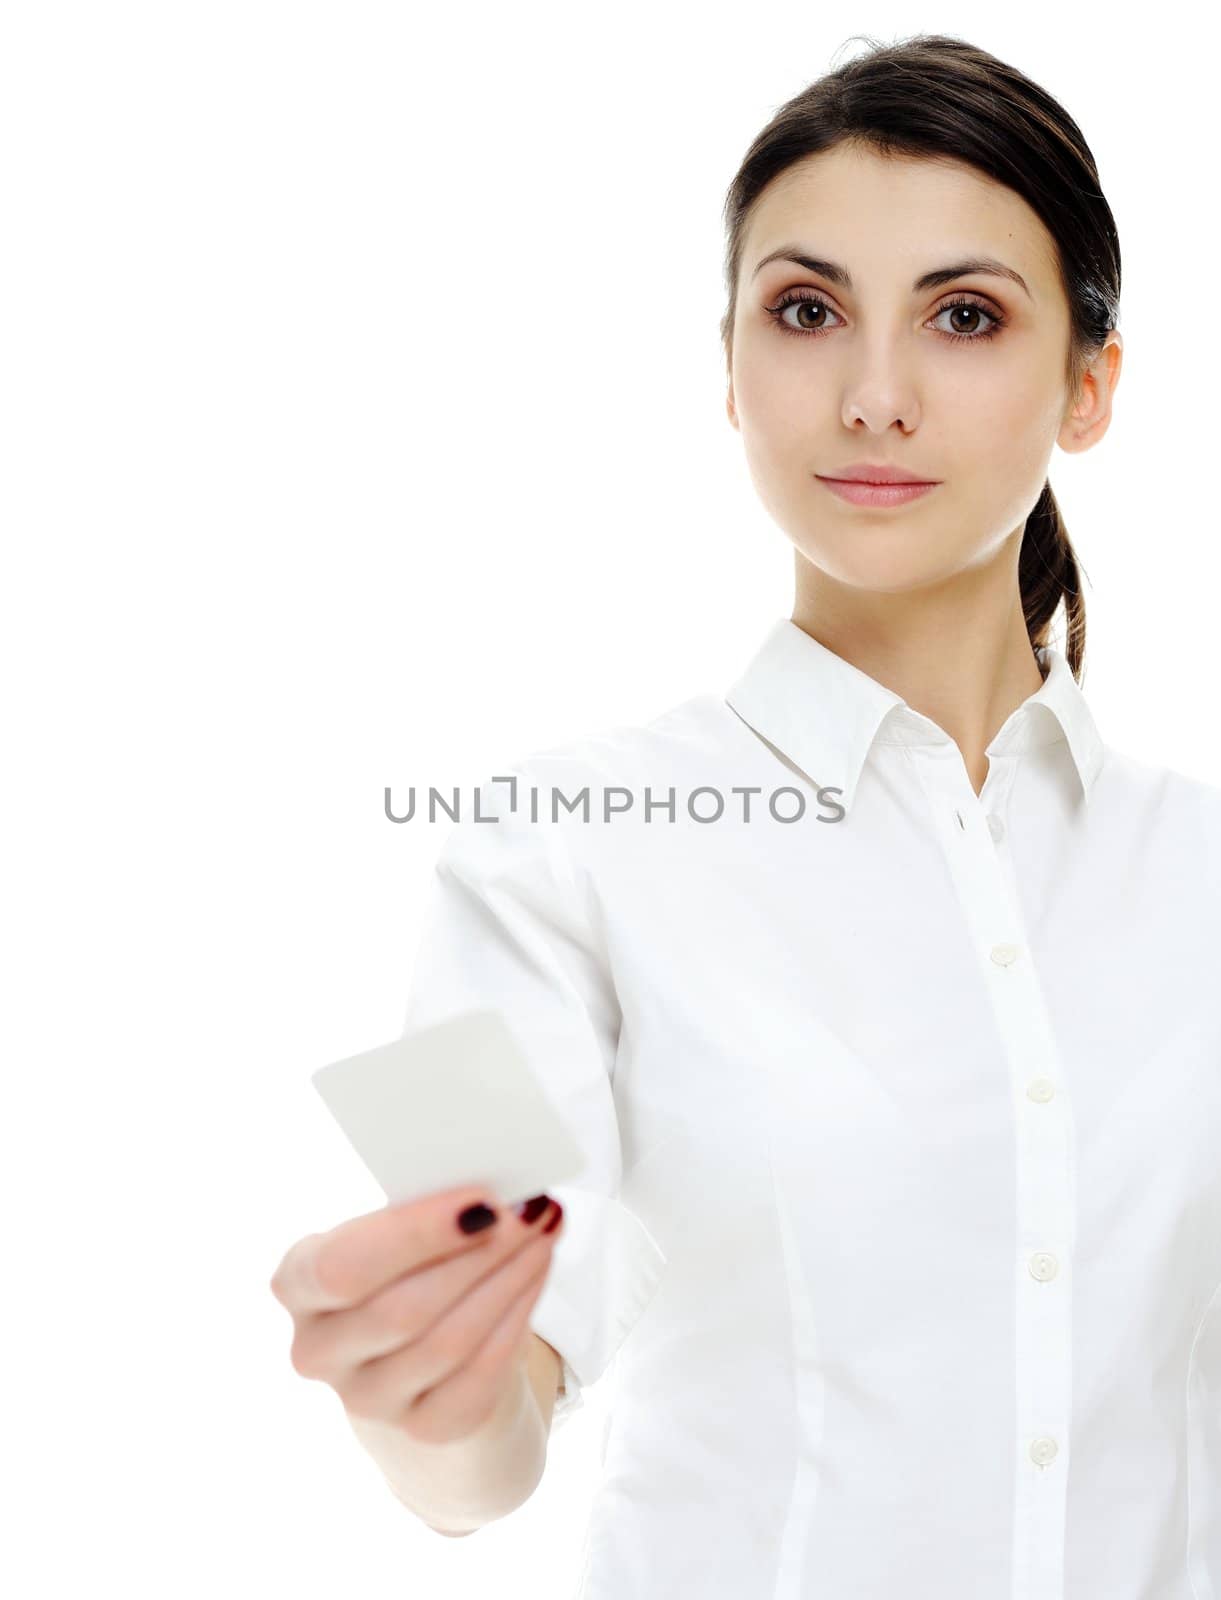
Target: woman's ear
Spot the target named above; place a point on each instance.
(1086, 421)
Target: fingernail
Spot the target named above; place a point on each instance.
(532, 1210)
(550, 1227)
(476, 1217)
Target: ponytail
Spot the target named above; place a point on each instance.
(1047, 574)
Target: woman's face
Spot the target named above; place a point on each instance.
(877, 375)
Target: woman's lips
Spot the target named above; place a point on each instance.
(875, 494)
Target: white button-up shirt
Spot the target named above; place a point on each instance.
(901, 1218)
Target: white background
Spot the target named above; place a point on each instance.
(364, 424)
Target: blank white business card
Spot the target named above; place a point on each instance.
(451, 1105)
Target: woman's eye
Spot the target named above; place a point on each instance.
(810, 314)
(973, 329)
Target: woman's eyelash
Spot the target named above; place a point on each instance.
(795, 296)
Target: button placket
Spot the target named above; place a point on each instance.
(971, 834)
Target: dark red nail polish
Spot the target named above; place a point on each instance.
(476, 1217)
(532, 1210)
(553, 1224)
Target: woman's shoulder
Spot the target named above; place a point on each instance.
(582, 799)
(1158, 779)
(677, 740)
(1165, 806)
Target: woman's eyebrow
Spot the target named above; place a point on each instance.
(834, 273)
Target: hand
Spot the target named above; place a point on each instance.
(410, 1320)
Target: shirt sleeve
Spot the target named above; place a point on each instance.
(505, 927)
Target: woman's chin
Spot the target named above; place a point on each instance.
(882, 572)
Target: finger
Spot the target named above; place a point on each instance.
(385, 1386)
(466, 1399)
(404, 1311)
(350, 1262)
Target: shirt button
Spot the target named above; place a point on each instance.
(1044, 1450)
(996, 827)
(1043, 1266)
(1004, 954)
(1040, 1089)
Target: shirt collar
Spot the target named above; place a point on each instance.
(824, 714)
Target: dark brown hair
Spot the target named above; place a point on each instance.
(937, 96)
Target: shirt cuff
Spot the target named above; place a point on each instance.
(605, 1268)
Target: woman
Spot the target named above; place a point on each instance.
(878, 989)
